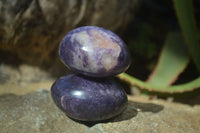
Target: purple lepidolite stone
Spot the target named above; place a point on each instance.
(88, 99)
(94, 51)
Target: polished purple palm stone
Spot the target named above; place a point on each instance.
(94, 51)
(88, 99)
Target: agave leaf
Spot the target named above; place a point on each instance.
(190, 86)
(185, 15)
(173, 60)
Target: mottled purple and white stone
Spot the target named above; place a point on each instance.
(88, 99)
(94, 51)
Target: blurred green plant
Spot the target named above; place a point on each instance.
(179, 49)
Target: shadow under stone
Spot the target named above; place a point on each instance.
(91, 123)
(131, 111)
(127, 114)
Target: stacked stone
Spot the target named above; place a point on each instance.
(95, 55)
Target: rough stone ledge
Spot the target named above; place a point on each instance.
(35, 112)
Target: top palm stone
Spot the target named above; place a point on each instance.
(94, 51)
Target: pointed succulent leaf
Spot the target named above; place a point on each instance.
(173, 60)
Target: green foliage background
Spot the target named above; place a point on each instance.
(181, 47)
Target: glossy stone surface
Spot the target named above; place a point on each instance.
(94, 51)
(88, 99)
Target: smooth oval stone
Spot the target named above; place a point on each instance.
(94, 51)
(87, 99)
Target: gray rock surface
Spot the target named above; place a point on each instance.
(22, 75)
(32, 29)
(35, 112)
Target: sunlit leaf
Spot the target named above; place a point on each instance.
(173, 60)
